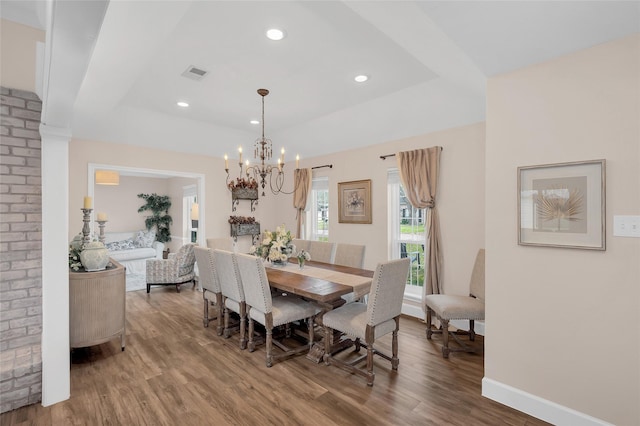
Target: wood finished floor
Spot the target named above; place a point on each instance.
(176, 372)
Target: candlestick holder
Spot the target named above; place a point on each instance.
(86, 230)
(101, 237)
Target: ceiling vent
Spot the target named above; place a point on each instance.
(195, 73)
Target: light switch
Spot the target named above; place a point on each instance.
(626, 226)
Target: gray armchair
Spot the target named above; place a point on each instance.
(176, 270)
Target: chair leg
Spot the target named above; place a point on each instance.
(370, 374)
(252, 343)
(226, 331)
(311, 332)
(220, 308)
(177, 288)
(205, 319)
(445, 338)
(394, 346)
(472, 332)
(243, 326)
(356, 345)
(429, 322)
(269, 347)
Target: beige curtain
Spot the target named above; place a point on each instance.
(302, 185)
(419, 174)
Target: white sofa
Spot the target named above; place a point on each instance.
(135, 259)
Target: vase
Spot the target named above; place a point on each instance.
(279, 263)
(94, 257)
(301, 263)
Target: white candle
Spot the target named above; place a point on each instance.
(282, 155)
(297, 161)
(240, 151)
(279, 165)
(102, 217)
(226, 162)
(87, 202)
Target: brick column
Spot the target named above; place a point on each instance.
(20, 250)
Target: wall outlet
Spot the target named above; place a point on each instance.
(626, 226)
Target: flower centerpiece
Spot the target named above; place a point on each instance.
(276, 246)
(303, 256)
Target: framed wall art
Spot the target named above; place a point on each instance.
(354, 201)
(562, 205)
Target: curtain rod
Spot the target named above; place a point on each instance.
(384, 157)
(326, 165)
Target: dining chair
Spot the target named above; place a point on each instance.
(349, 255)
(233, 297)
(321, 251)
(301, 244)
(368, 322)
(455, 307)
(272, 312)
(222, 243)
(208, 279)
(178, 269)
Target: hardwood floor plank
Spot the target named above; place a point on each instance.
(175, 371)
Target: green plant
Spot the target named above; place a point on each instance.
(159, 206)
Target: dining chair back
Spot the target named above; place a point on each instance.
(322, 251)
(349, 255)
(208, 279)
(222, 243)
(272, 312)
(232, 293)
(367, 322)
(301, 244)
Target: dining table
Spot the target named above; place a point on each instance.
(324, 284)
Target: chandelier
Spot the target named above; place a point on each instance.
(261, 173)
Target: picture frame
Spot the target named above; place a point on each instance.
(354, 201)
(563, 205)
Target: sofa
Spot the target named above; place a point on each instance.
(132, 249)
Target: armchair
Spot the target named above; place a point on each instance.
(176, 270)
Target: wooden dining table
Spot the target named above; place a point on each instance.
(323, 287)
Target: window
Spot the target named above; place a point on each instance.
(318, 214)
(406, 232)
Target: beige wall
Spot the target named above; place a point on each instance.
(121, 202)
(564, 324)
(460, 199)
(18, 46)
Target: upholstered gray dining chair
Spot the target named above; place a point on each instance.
(176, 270)
(451, 307)
(233, 297)
(368, 322)
(321, 251)
(301, 244)
(208, 279)
(272, 312)
(349, 255)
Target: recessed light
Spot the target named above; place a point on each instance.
(254, 122)
(182, 104)
(275, 34)
(361, 78)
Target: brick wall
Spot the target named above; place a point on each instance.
(20, 250)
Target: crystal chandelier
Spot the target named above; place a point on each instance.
(262, 172)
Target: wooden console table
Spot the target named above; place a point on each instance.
(97, 306)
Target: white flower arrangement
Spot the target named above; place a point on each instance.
(276, 246)
(303, 256)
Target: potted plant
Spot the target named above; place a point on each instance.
(159, 206)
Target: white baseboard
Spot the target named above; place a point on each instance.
(535, 406)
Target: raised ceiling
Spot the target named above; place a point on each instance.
(427, 61)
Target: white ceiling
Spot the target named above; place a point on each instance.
(427, 61)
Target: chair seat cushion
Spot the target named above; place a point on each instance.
(455, 307)
(351, 319)
(286, 309)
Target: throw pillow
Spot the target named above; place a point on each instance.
(121, 245)
(145, 239)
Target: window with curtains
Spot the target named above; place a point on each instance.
(406, 232)
(318, 214)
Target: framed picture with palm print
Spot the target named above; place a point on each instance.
(562, 205)
(354, 201)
